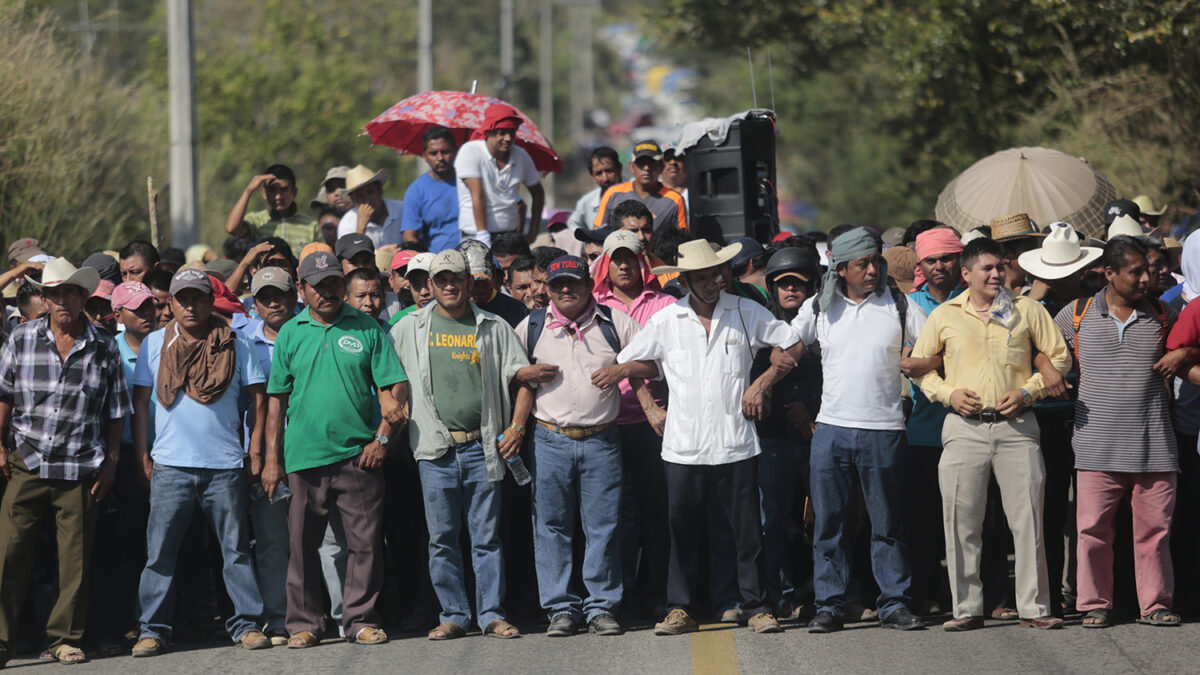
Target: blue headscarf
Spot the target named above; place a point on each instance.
(852, 245)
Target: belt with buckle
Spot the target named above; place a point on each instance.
(465, 436)
(575, 433)
(989, 416)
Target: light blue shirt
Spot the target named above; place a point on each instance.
(925, 422)
(191, 434)
(129, 359)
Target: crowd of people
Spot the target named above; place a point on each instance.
(423, 413)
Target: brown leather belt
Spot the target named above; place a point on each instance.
(465, 436)
(575, 433)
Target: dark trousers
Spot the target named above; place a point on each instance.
(735, 486)
(119, 553)
(357, 496)
(922, 517)
(1057, 508)
(643, 517)
(27, 503)
(1185, 529)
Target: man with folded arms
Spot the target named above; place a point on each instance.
(704, 345)
(576, 463)
(64, 398)
(195, 367)
(1119, 339)
(987, 337)
(332, 365)
(463, 361)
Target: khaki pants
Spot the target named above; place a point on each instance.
(973, 451)
(26, 504)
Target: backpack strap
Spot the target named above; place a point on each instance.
(607, 327)
(537, 321)
(901, 301)
(1081, 308)
(1160, 312)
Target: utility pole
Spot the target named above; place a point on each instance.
(425, 46)
(506, 48)
(185, 213)
(546, 89)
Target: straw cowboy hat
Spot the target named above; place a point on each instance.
(698, 255)
(361, 176)
(1125, 225)
(1060, 255)
(60, 272)
(1015, 226)
(1146, 204)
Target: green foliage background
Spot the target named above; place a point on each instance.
(879, 103)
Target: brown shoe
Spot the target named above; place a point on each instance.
(964, 624)
(676, 623)
(1043, 622)
(147, 646)
(253, 639)
(765, 623)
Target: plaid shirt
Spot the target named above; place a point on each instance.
(60, 407)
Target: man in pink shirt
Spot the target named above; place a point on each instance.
(623, 281)
(576, 452)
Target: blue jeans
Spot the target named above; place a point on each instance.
(223, 497)
(839, 454)
(570, 475)
(777, 476)
(456, 488)
(271, 545)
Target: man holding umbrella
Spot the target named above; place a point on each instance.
(490, 170)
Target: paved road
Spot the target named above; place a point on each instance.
(861, 648)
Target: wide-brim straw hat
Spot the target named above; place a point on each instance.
(60, 272)
(698, 255)
(361, 176)
(1060, 255)
(1125, 225)
(1015, 226)
(1146, 204)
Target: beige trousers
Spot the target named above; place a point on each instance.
(973, 450)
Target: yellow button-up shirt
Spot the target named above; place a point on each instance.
(989, 359)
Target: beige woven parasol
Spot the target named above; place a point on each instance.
(1046, 184)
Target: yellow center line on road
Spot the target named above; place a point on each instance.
(713, 651)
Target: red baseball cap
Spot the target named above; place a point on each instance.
(401, 259)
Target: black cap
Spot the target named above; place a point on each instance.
(105, 264)
(349, 245)
(594, 236)
(1121, 207)
(318, 266)
(647, 149)
(568, 266)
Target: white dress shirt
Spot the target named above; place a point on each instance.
(707, 375)
(380, 235)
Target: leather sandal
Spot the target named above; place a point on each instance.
(500, 629)
(370, 635)
(69, 655)
(302, 640)
(447, 630)
(1098, 618)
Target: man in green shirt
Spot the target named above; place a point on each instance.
(281, 218)
(332, 364)
(463, 361)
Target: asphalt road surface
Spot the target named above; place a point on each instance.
(861, 648)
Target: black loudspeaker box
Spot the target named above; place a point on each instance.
(731, 186)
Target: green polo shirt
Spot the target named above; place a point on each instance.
(332, 374)
(298, 229)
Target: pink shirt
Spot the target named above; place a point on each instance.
(570, 399)
(644, 306)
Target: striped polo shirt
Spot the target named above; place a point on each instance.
(1122, 415)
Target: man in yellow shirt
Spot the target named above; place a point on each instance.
(988, 337)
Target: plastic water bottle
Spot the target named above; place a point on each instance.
(517, 466)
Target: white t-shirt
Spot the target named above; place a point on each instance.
(860, 358)
(380, 235)
(501, 186)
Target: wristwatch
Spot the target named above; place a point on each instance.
(1026, 398)
(382, 439)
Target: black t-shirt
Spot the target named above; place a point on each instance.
(506, 307)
